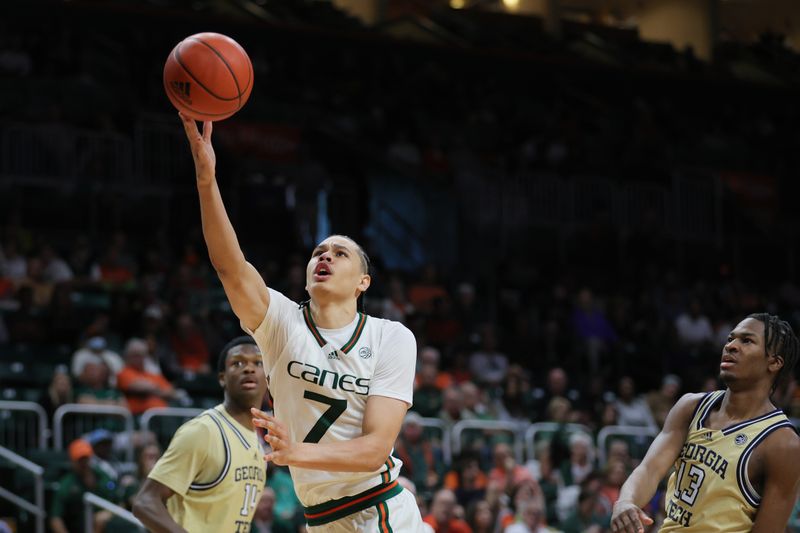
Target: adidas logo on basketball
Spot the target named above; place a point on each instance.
(182, 90)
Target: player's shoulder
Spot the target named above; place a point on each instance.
(390, 328)
(688, 404)
(199, 427)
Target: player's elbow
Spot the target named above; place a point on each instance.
(140, 506)
(376, 456)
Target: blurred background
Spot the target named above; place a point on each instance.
(569, 202)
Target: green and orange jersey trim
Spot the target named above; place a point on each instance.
(317, 515)
(312, 327)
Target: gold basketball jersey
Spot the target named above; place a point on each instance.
(709, 490)
(216, 468)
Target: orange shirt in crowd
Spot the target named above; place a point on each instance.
(453, 526)
(138, 403)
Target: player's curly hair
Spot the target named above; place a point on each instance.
(238, 341)
(779, 341)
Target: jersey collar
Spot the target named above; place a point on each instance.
(312, 327)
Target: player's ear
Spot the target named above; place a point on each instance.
(366, 279)
(776, 363)
(221, 379)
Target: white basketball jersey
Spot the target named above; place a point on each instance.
(320, 381)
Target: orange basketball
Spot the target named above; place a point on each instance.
(208, 76)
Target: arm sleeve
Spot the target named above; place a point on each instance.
(184, 459)
(396, 365)
(271, 335)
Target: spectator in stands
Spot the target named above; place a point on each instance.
(616, 472)
(619, 450)
(427, 395)
(190, 345)
(151, 365)
(475, 401)
(130, 484)
(102, 442)
(13, 265)
(81, 263)
(556, 386)
(159, 346)
(95, 350)
(54, 268)
(58, 392)
(41, 287)
(487, 364)
(117, 267)
(693, 327)
(585, 518)
(632, 410)
(423, 462)
(66, 509)
(142, 389)
(479, 517)
(453, 409)
(396, 306)
(518, 398)
(467, 481)
(442, 517)
(264, 517)
(428, 355)
(662, 400)
(592, 328)
(506, 472)
(547, 476)
(94, 386)
(530, 518)
(581, 459)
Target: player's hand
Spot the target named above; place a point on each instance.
(628, 518)
(205, 161)
(277, 437)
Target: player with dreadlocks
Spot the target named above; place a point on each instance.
(734, 453)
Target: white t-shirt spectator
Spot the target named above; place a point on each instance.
(695, 330)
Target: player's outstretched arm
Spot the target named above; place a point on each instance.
(150, 507)
(640, 487)
(781, 480)
(244, 286)
(367, 453)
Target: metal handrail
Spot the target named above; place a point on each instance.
(623, 431)
(34, 407)
(114, 410)
(429, 422)
(538, 427)
(90, 499)
(516, 428)
(36, 509)
(153, 412)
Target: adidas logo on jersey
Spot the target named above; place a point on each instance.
(334, 355)
(708, 435)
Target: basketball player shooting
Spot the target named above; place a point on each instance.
(342, 381)
(734, 454)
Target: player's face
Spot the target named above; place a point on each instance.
(335, 270)
(244, 379)
(744, 358)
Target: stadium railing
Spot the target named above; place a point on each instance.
(550, 428)
(87, 418)
(18, 430)
(90, 501)
(516, 429)
(36, 508)
(173, 416)
(641, 436)
(434, 423)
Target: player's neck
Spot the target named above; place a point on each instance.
(333, 315)
(240, 414)
(745, 404)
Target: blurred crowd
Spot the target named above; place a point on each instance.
(554, 351)
(593, 339)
